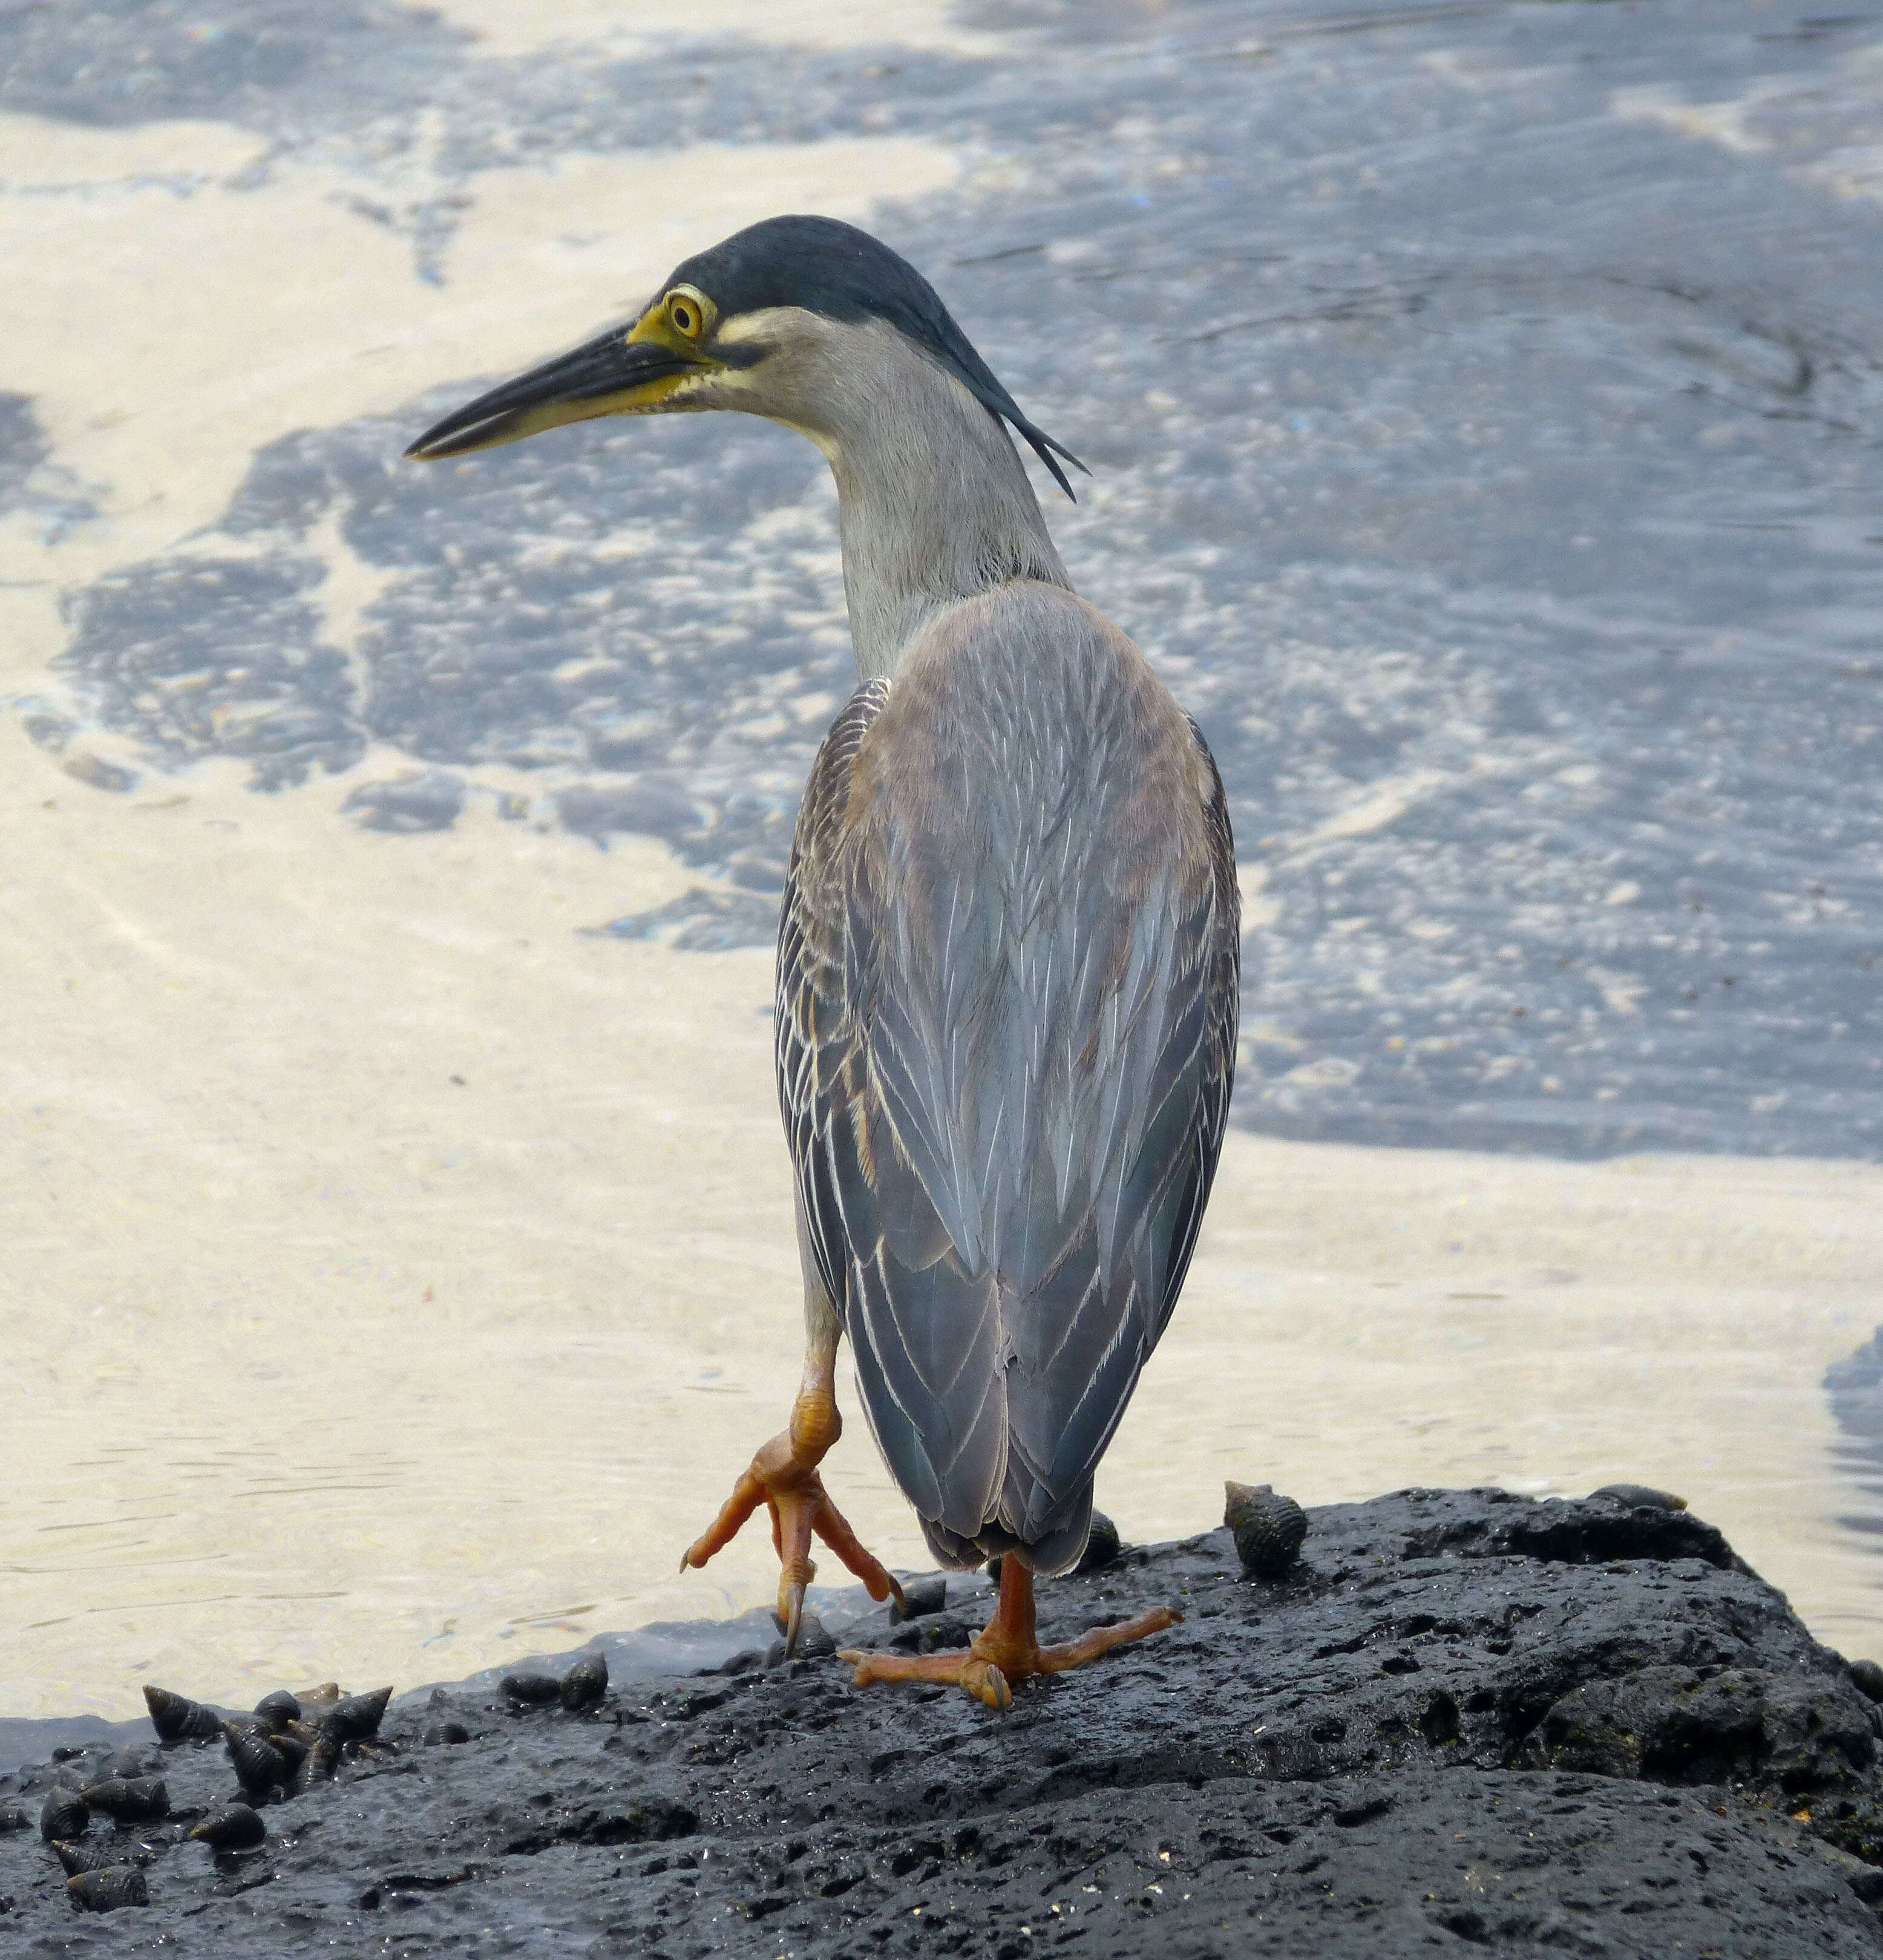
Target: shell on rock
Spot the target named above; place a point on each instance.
(528, 1690)
(447, 1732)
(108, 1888)
(235, 1828)
(177, 1719)
(139, 1759)
(354, 1717)
(814, 1642)
(1268, 1529)
(586, 1682)
(64, 1814)
(259, 1766)
(280, 1709)
(130, 1799)
(1102, 1545)
(85, 1857)
(1642, 1497)
(320, 1764)
(12, 1819)
(1867, 1677)
(919, 1596)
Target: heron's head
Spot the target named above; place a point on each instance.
(794, 318)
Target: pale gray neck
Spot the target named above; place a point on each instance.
(934, 504)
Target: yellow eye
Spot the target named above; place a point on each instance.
(689, 312)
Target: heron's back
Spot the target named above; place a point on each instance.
(1008, 995)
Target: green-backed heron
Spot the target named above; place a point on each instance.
(1008, 962)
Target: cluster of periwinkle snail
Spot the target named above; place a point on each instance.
(283, 1749)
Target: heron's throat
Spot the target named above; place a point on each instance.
(934, 504)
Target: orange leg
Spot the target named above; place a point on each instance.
(783, 1477)
(1007, 1649)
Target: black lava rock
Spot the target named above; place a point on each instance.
(1470, 1722)
(1268, 1530)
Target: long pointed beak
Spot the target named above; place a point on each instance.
(610, 375)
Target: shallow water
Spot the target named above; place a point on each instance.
(1482, 405)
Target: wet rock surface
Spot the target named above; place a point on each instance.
(1461, 1721)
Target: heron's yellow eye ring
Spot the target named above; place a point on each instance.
(689, 312)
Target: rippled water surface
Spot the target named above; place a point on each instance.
(1483, 403)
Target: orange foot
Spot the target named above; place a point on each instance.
(1006, 1649)
(784, 1478)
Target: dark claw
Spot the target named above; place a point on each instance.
(794, 1619)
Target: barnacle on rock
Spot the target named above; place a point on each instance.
(1268, 1529)
(130, 1799)
(586, 1682)
(235, 1828)
(108, 1888)
(176, 1719)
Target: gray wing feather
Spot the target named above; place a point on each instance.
(1007, 990)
